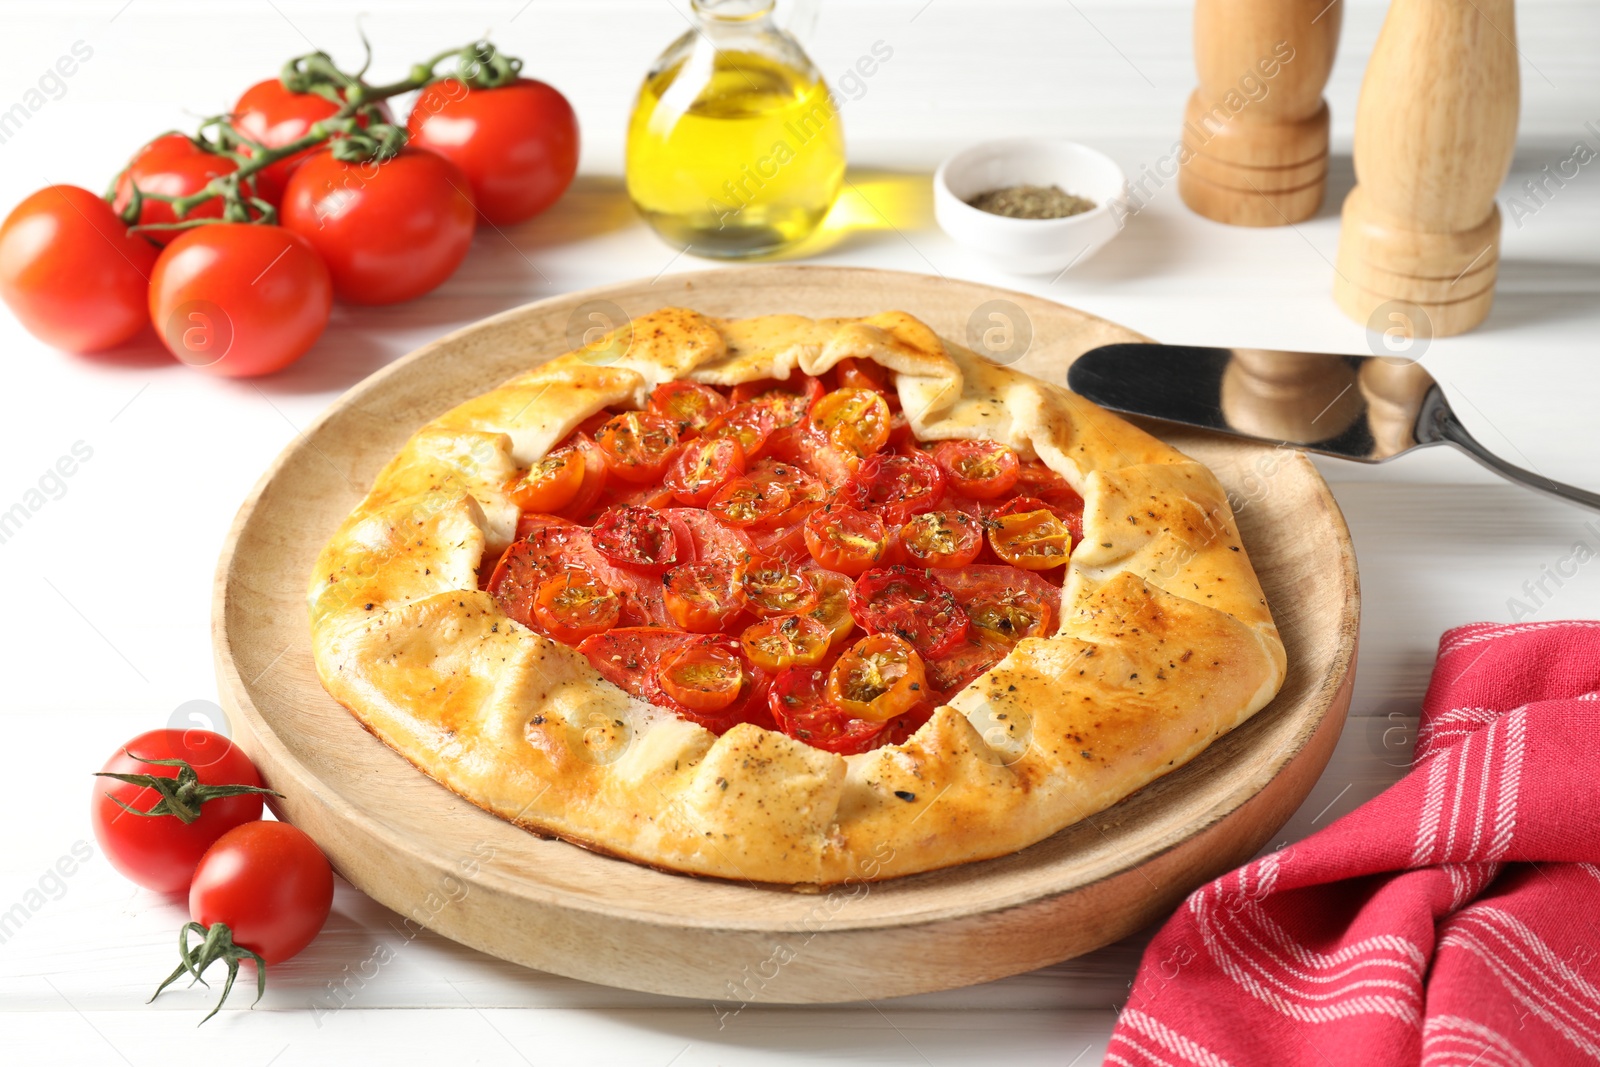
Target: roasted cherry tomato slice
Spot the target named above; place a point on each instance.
(1007, 602)
(640, 538)
(637, 445)
(846, 539)
(786, 641)
(861, 374)
(896, 487)
(788, 400)
(799, 703)
(749, 504)
(627, 656)
(975, 654)
(940, 539)
(702, 466)
(981, 469)
(705, 597)
(524, 568)
(550, 483)
(877, 678)
(910, 604)
(702, 677)
(1032, 540)
(854, 421)
(773, 587)
(573, 606)
(1038, 481)
(749, 424)
(833, 604)
(689, 406)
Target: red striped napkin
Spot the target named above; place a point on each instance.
(1452, 920)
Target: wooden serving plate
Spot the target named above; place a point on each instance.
(435, 858)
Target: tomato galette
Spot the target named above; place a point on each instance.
(791, 600)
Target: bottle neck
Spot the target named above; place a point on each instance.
(733, 13)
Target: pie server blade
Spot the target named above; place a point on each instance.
(1363, 408)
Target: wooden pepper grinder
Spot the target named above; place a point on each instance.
(1435, 131)
(1255, 133)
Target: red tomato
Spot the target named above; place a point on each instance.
(641, 539)
(749, 424)
(573, 606)
(940, 539)
(595, 476)
(702, 466)
(171, 165)
(389, 231)
(551, 483)
(627, 656)
(773, 587)
(877, 678)
(517, 145)
(1036, 480)
(800, 705)
(637, 445)
(862, 374)
(71, 272)
(269, 883)
(705, 597)
(1007, 602)
(980, 469)
(271, 115)
(907, 603)
(749, 504)
(845, 539)
(854, 421)
(239, 300)
(896, 487)
(160, 851)
(976, 653)
(691, 407)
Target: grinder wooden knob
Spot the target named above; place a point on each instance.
(1255, 132)
(1435, 131)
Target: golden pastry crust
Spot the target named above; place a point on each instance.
(1165, 640)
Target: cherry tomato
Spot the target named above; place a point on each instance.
(637, 445)
(786, 641)
(701, 677)
(551, 483)
(750, 424)
(773, 587)
(239, 300)
(855, 373)
(691, 407)
(171, 165)
(1038, 481)
(854, 421)
(896, 487)
(705, 597)
(958, 667)
(833, 604)
(272, 116)
(269, 883)
(517, 144)
(1033, 540)
(799, 702)
(573, 606)
(1007, 602)
(746, 503)
(910, 604)
(71, 272)
(709, 539)
(596, 475)
(640, 538)
(160, 851)
(701, 467)
(627, 656)
(940, 539)
(877, 678)
(388, 231)
(979, 469)
(845, 539)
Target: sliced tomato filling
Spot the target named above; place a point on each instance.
(786, 553)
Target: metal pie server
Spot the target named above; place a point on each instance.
(1365, 408)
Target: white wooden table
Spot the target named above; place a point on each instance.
(107, 585)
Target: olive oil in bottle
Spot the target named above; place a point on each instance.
(735, 147)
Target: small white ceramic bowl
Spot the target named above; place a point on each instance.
(1031, 246)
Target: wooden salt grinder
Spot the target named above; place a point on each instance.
(1435, 131)
(1255, 133)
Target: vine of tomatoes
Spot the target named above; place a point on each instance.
(234, 242)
